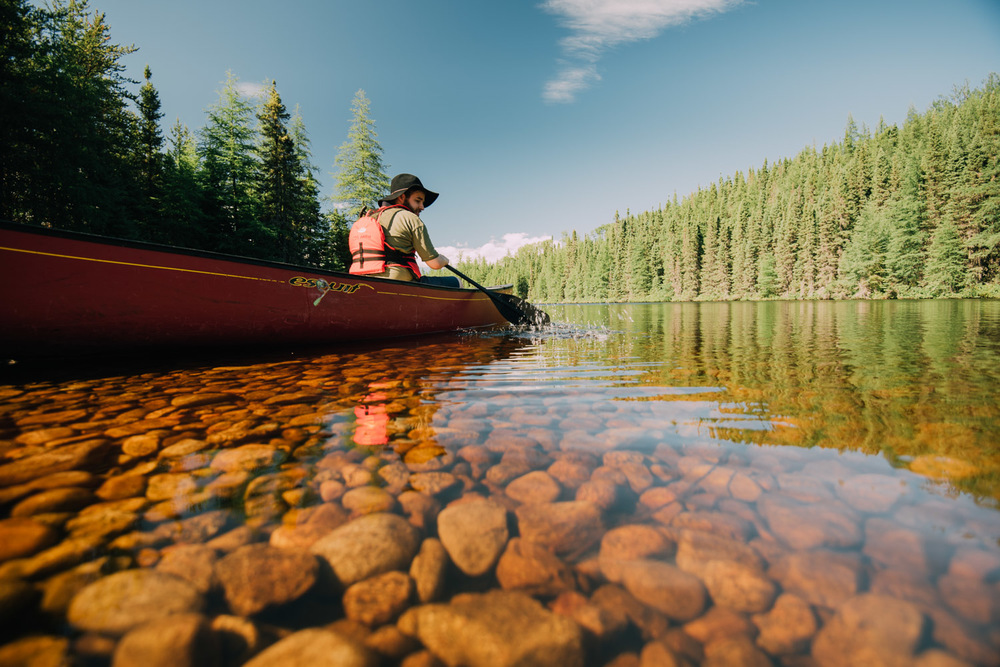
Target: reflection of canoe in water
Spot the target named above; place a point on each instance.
(63, 292)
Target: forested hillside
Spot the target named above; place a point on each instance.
(81, 149)
(890, 213)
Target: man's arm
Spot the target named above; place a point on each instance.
(438, 262)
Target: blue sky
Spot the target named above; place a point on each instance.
(533, 118)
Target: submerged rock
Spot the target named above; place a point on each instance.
(125, 600)
(369, 545)
(474, 534)
(495, 629)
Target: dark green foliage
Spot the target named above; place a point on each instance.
(904, 212)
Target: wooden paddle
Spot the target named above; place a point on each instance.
(514, 310)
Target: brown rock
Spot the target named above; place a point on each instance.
(125, 600)
(420, 509)
(390, 642)
(495, 629)
(68, 457)
(535, 487)
(910, 586)
(870, 629)
(368, 500)
(101, 521)
(658, 654)
(619, 601)
(24, 537)
(369, 545)
(600, 622)
(36, 651)
(53, 500)
(896, 547)
(248, 458)
(872, 493)
(378, 600)
(64, 555)
(800, 526)
(719, 623)
(258, 576)
(181, 640)
(695, 550)
(533, 569)
(738, 586)
(143, 444)
(182, 448)
(43, 435)
(571, 473)
(822, 578)
(717, 523)
(316, 648)
(428, 570)
(567, 528)
(169, 486)
(434, 483)
(734, 651)
(323, 519)
(474, 534)
(665, 588)
(122, 486)
(970, 597)
(195, 563)
(631, 542)
(605, 494)
(788, 627)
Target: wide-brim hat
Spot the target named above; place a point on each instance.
(403, 183)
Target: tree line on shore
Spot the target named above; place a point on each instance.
(80, 151)
(894, 212)
(898, 212)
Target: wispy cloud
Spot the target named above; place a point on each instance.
(251, 90)
(598, 25)
(493, 250)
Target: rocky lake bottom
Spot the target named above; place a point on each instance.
(471, 500)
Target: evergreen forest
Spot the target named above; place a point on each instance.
(81, 150)
(894, 212)
(889, 212)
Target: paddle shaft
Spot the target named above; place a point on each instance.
(511, 312)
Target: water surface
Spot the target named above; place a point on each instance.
(721, 483)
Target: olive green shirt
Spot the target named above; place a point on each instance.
(406, 233)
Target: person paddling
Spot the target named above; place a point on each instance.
(385, 243)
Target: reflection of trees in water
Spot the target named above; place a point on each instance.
(913, 381)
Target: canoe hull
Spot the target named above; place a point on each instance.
(63, 292)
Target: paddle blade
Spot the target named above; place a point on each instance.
(518, 311)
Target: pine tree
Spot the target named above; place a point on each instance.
(280, 181)
(361, 178)
(150, 155)
(907, 220)
(945, 261)
(181, 218)
(226, 150)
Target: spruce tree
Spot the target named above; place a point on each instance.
(226, 150)
(361, 177)
(280, 181)
(150, 155)
(181, 217)
(945, 261)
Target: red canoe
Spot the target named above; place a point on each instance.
(63, 292)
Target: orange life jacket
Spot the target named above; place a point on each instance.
(369, 251)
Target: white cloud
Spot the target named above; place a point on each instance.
(493, 250)
(251, 89)
(598, 25)
(570, 81)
